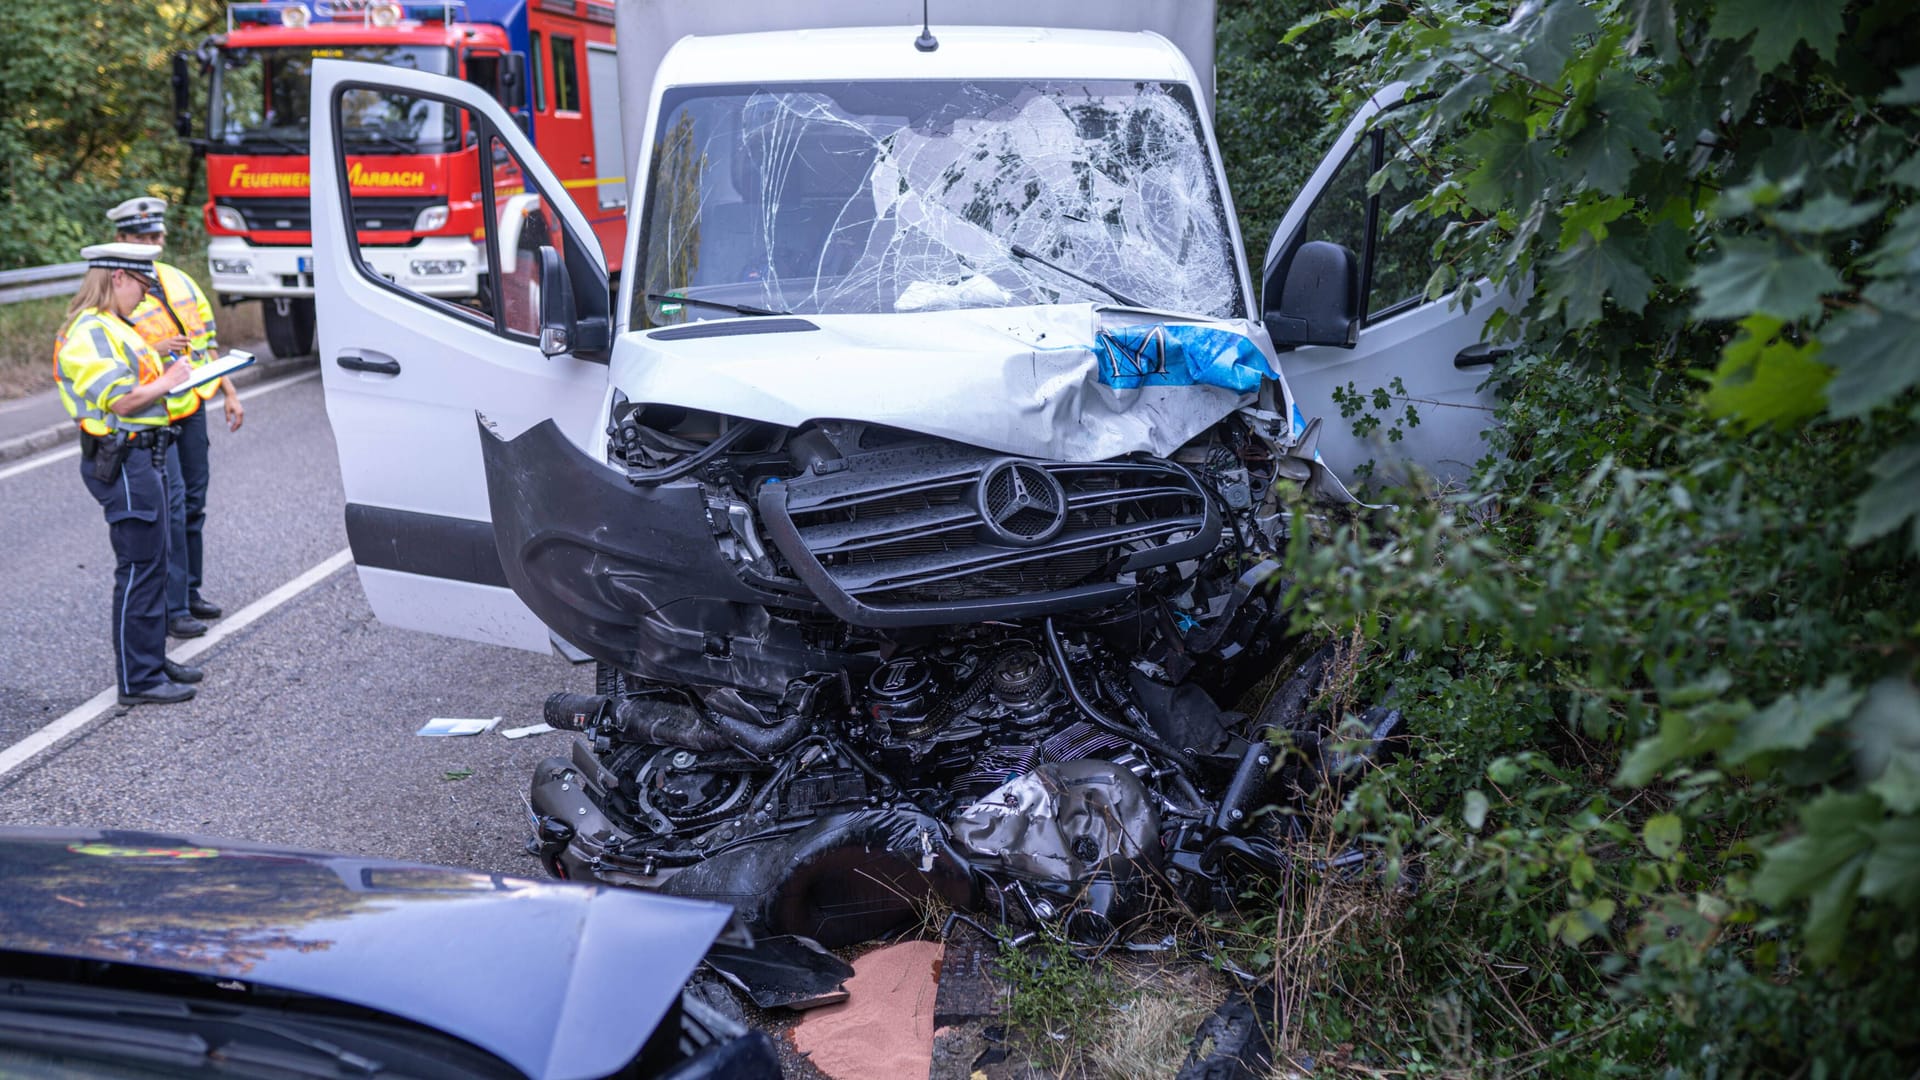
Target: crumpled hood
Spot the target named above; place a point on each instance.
(558, 980)
(1022, 380)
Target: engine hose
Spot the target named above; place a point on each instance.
(1101, 720)
(666, 723)
(720, 445)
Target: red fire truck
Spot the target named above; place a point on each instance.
(549, 62)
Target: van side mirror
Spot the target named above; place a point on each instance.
(182, 96)
(557, 315)
(513, 80)
(1312, 297)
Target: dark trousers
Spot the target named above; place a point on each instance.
(137, 522)
(187, 485)
(176, 595)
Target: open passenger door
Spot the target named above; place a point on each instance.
(405, 373)
(1344, 300)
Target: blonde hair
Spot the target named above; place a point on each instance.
(96, 291)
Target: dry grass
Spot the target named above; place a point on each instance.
(1147, 1035)
(27, 330)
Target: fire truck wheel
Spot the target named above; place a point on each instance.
(289, 323)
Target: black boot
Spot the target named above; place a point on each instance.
(167, 693)
(202, 608)
(185, 626)
(181, 673)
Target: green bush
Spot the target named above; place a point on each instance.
(1661, 812)
(87, 119)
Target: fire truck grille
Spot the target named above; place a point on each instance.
(386, 213)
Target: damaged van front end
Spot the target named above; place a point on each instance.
(971, 627)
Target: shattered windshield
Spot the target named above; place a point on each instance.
(916, 196)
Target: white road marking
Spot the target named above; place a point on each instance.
(40, 741)
(66, 452)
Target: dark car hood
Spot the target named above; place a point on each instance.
(558, 980)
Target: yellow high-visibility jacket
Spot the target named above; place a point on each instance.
(98, 360)
(184, 310)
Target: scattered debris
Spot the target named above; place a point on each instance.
(442, 726)
(531, 729)
(885, 1028)
(783, 972)
(1232, 1044)
(456, 774)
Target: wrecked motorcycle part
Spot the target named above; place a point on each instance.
(1079, 839)
(841, 879)
(783, 971)
(1251, 780)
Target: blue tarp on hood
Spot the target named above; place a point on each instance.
(1180, 354)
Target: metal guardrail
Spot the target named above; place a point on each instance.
(38, 282)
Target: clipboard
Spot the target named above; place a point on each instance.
(216, 369)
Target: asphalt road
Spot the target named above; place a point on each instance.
(303, 732)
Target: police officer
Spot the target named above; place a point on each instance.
(176, 320)
(115, 388)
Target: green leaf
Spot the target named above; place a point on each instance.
(1908, 92)
(1834, 828)
(1681, 737)
(1765, 380)
(1576, 925)
(1653, 23)
(1589, 217)
(1827, 212)
(1662, 835)
(1872, 354)
(1893, 870)
(1898, 253)
(1475, 812)
(1886, 743)
(1892, 500)
(1908, 173)
(1754, 276)
(1625, 114)
(1793, 721)
(1826, 928)
(1513, 167)
(1778, 26)
(1592, 272)
(1552, 35)
(1756, 192)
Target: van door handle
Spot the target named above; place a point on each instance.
(1479, 355)
(378, 363)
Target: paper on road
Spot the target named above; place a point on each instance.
(458, 725)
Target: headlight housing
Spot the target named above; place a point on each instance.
(228, 218)
(433, 217)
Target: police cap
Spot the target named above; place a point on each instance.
(142, 215)
(135, 257)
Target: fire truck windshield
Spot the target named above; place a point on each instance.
(260, 98)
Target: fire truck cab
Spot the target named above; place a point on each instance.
(550, 63)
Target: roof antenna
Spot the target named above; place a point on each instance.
(926, 42)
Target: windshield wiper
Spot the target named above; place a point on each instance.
(1119, 297)
(376, 135)
(737, 309)
(292, 146)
